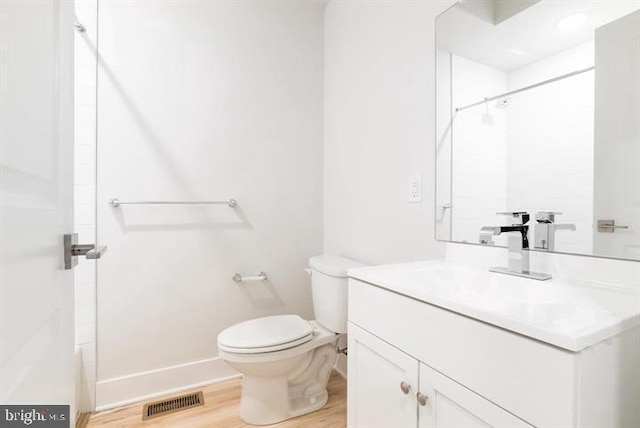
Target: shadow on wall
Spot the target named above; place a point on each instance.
(205, 219)
(143, 124)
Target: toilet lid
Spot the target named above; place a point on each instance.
(266, 334)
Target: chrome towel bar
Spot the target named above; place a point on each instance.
(115, 203)
(260, 277)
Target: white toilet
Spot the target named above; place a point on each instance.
(285, 360)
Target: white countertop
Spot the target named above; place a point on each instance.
(566, 313)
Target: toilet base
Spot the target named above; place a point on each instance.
(266, 402)
(269, 400)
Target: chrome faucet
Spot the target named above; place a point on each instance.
(545, 230)
(518, 263)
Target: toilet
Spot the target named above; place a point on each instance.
(286, 360)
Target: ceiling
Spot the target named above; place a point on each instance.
(483, 31)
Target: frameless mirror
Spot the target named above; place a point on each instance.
(538, 111)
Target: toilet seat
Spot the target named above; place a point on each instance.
(267, 334)
(320, 336)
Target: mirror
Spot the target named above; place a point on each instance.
(538, 111)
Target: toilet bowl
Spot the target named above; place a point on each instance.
(286, 360)
(281, 380)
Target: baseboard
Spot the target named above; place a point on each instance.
(142, 386)
(77, 370)
(82, 420)
(341, 366)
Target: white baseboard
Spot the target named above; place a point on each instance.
(77, 370)
(143, 386)
(341, 366)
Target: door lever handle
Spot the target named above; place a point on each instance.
(88, 250)
(99, 252)
(73, 250)
(609, 226)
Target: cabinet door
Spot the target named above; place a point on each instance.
(447, 404)
(382, 383)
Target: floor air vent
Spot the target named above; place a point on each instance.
(165, 407)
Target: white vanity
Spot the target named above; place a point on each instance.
(436, 344)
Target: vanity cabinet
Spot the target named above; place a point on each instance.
(389, 388)
(382, 384)
(475, 374)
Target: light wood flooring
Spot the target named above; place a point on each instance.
(222, 403)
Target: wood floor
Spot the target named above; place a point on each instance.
(222, 402)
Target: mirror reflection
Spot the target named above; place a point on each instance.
(538, 112)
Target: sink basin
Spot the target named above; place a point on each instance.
(566, 313)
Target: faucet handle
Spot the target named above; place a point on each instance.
(522, 216)
(547, 216)
(495, 230)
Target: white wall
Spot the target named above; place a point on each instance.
(379, 129)
(85, 195)
(202, 101)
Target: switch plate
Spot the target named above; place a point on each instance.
(415, 188)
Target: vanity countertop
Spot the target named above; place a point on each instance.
(566, 313)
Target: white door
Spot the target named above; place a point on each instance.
(382, 383)
(445, 403)
(36, 199)
(617, 138)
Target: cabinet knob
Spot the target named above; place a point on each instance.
(405, 387)
(422, 399)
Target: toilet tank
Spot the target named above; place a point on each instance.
(329, 289)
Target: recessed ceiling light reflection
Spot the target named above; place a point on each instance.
(516, 52)
(573, 21)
